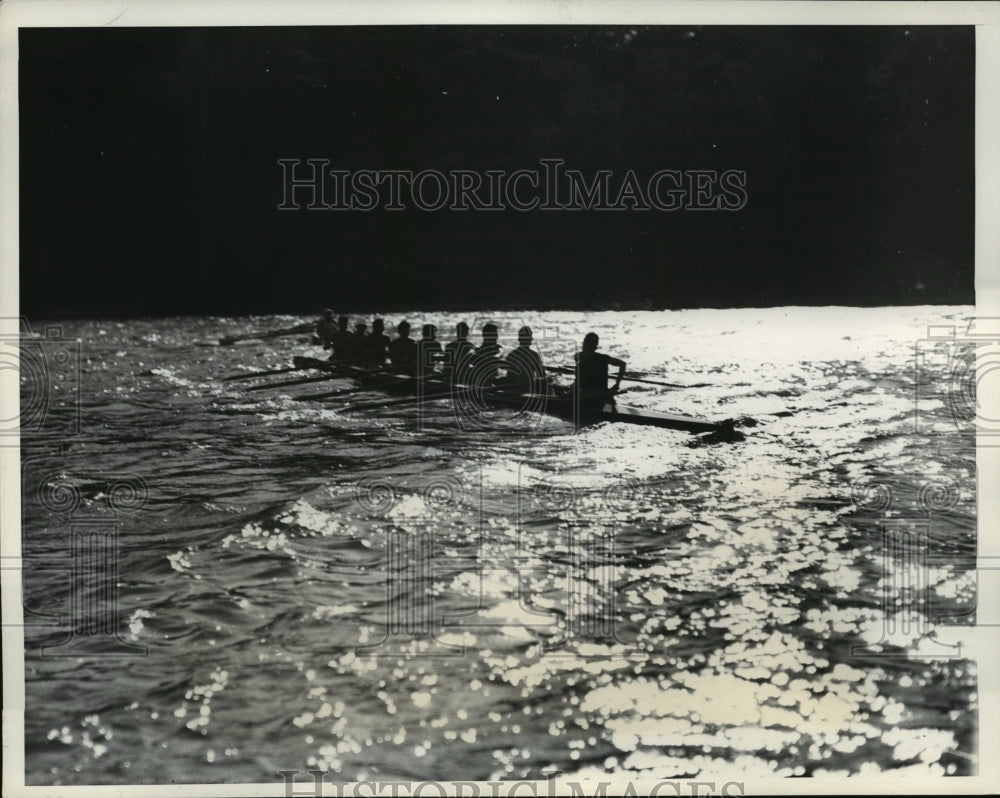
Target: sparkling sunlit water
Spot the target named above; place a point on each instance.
(503, 597)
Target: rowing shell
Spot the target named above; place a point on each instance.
(562, 407)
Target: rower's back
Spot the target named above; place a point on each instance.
(485, 362)
(342, 340)
(377, 345)
(326, 329)
(458, 352)
(591, 371)
(403, 350)
(429, 351)
(525, 371)
(357, 344)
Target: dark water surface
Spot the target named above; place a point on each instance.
(405, 594)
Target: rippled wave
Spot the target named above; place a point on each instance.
(301, 586)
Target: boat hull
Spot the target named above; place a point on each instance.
(564, 407)
(561, 406)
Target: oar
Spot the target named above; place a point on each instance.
(341, 372)
(299, 328)
(457, 387)
(345, 391)
(300, 364)
(452, 389)
(253, 374)
(405, 400)
(564, 370)
(375, 386)
(300, 381)
(669, 384)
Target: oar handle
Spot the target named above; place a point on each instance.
(656, 382)
(564, 370)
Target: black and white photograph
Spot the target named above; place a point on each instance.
(537, 400)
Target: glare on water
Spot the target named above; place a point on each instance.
(411, 593)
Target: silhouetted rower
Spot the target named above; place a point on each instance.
(376, 345)
(429, 352)
(341, 341)
(525, 371)
(403, 350)
(592, 378)
(484, 365)
(326, 329)
(355, 347)
(458, 352)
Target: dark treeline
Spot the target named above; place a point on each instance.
(150, 178)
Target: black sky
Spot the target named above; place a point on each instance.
(150, 178)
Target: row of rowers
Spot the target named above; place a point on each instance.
(372, 349)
